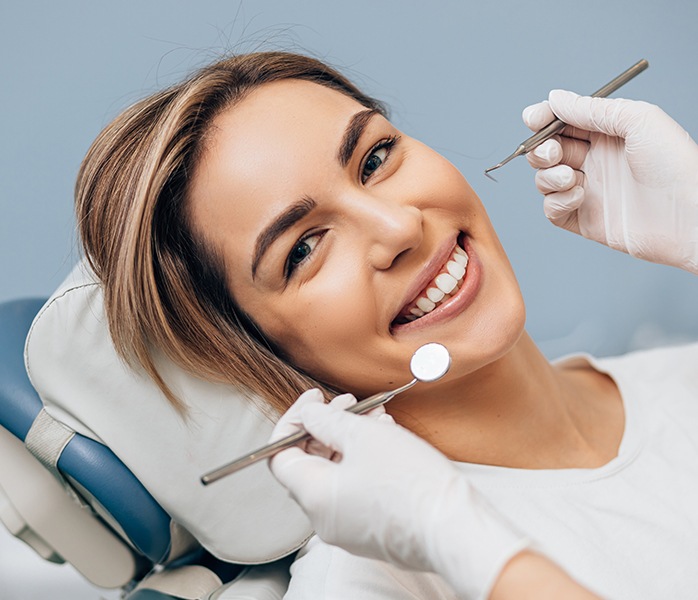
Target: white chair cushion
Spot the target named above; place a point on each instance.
(247, 517)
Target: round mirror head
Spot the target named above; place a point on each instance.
(430, 362)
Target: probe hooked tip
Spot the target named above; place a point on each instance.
(518, 152)
(487, 172)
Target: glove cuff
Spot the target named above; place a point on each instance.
(472, 542)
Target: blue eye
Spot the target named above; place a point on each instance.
(376, 157)
(301, 251)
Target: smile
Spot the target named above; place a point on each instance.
(446, 283)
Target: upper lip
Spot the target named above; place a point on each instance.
(427, 273)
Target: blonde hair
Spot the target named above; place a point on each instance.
(164, 286)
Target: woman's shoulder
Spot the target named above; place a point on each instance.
(324, 571)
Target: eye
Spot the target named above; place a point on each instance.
(376, 157)
(374, 161)
(300, 252)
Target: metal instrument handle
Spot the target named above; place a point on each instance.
(296, 438)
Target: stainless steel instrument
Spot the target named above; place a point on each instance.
(429, 363)
(555, 126)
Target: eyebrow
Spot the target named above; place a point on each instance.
(352, 134)
(278, 226)
(295, 212)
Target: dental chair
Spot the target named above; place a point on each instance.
(76, 492)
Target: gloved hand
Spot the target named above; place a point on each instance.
(388, 494)
(623, 173)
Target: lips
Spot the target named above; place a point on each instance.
(439, 289)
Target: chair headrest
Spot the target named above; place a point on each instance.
(71, 361)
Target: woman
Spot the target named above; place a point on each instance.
(381, 492)
(264, 224)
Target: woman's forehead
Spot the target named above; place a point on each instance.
(265, 152)
(273, 129)
(291, 105)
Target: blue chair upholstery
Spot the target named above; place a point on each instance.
(87, 462)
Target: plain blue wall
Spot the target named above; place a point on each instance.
(457, 75)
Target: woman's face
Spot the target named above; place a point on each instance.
(338, 232)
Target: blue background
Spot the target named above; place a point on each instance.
(457, 75)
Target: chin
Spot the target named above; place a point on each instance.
(494, 335)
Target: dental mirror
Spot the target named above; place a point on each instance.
(429, 363)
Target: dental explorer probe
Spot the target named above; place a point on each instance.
(429, 363)
(555, 126)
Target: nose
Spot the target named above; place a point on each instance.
(390, 227)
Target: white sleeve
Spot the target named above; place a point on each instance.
(328, 572)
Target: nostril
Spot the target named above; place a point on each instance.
(399, 256)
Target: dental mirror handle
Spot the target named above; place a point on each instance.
(296, 438)
(555, 126)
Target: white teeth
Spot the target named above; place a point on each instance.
(461, 259)
(445, 282)
(426, 305)
(435, 294)
(456, 270)
(444, 286)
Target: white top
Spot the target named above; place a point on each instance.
(628, 529)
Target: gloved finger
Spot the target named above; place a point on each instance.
(330, 426)
(289, 422)
(300, 473)
(282, 459)
(610, 116)
(559, 150)
(574, 151)
(387, 418)
(557, 179)
(345, 401)
(313, 446)
(561, 208)
(537, 115)
(342, 402)
(317, 448)
(548, 154)
(377, 412)
(540, 115)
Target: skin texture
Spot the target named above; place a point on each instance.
(529, 576)
(374, 234)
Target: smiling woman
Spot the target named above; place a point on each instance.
(265, 225)
(319, 209)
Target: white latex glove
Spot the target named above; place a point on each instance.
(388, 494)
(623, 174)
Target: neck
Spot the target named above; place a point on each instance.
(518, 411)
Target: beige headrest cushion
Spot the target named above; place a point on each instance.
(247, 517)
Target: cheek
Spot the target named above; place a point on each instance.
(318, 329)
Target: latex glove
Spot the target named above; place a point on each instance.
(388, 494)
(624, 174)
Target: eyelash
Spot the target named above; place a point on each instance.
(387, 144)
